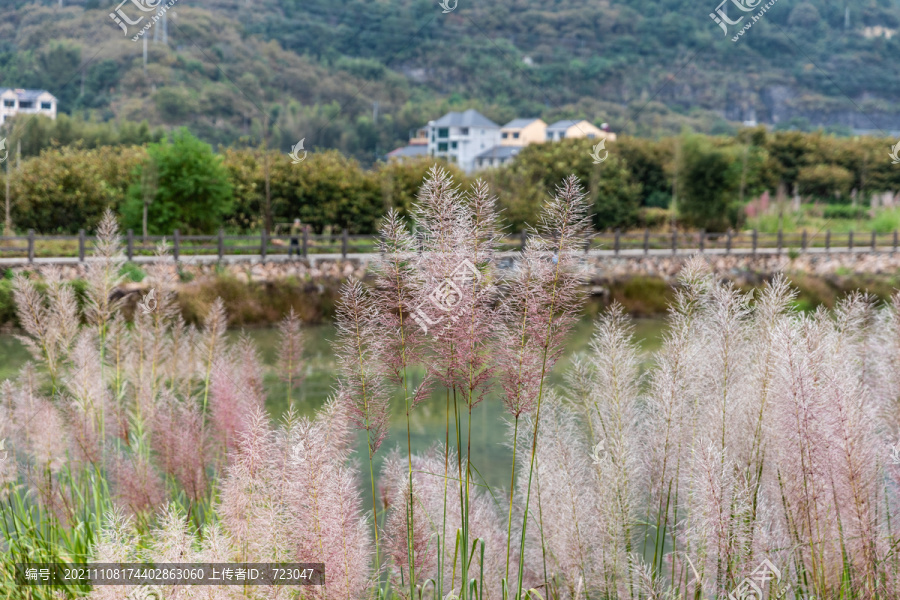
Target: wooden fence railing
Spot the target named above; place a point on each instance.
(263, 245)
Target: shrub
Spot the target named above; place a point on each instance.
(67, 189)
(7, 305)
(132, 272)
(844, 211)
(886, 221)
(706, 186)
(653, 218)
(643, 296)
(825, 181)
(184, 185)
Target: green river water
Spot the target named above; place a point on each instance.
(490, 455)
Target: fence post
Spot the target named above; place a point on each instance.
(221, 243)
(755, 240)
(31, 245)
(176, 244)
(263, 244)
(344, 242)
(803, 242)
(618, 233)
(305, 239)
(780, 240)
(646, 242)
(674, 241)
(81, 245)
(850, 242)
(873, 241)
(702, 240)
(130, 244)
(828, 241)
(728, 242)
(895, 241)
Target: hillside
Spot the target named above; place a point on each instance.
(358, 75)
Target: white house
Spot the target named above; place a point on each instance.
(461, 136)
(496, 156)
(474, 142)
(14, 101)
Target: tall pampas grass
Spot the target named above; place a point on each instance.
(756, 450)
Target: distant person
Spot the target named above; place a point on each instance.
(295, 239)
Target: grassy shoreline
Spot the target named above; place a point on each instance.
(263, 303)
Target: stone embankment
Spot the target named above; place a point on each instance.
(600, 270)
(745, 268)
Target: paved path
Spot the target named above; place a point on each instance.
(366, 257)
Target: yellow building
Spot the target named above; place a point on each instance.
(521, 132)
(570, 128)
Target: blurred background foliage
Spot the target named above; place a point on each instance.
(353, 78)
(715, 182)
(358, 75)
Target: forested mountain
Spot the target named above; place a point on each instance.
(358, 75)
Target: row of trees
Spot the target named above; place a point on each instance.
(180, 182)
(709, 178)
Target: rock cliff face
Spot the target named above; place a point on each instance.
(776, 104)
(780, 103)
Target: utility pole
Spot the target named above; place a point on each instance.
(268, 217)
(375, 124)
(7, 223)
(864, 175)
(148, 189)
(744, 173)
(675, 182)
(7, 227)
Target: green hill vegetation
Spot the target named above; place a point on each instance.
(358, 75)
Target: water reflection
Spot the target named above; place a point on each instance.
(490, 454)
